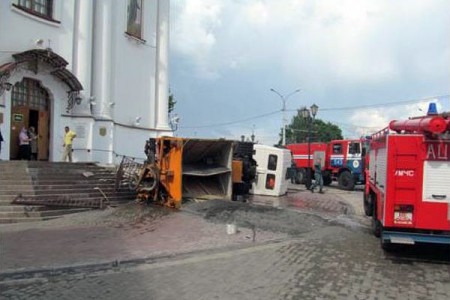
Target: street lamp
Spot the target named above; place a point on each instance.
(284, 99)
(174, 121)
(306, 114)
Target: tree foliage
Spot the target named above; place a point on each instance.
(172, 101)
(321, 131)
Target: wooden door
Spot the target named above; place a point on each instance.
(19, 119)
(43, 136)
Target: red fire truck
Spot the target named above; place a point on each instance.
(342, 160)
(408, 188)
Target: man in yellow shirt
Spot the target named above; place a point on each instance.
(68, 138)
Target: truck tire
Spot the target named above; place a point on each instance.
(327, 180)
(376, 225)
(300, 176)
(346, 181)
(368, 203)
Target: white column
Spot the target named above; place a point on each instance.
(102, 58)
(162, 66)
(82, 51)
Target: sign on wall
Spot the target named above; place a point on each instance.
(80, 130)
(18, 117)
(102, 131)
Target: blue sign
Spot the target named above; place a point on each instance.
(337, 162)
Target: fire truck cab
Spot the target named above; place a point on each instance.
(343, 161)
(407, 193)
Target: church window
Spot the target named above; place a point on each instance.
(134, 18)
(40, 8)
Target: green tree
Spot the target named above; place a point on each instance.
(172, 101)
(321, 131)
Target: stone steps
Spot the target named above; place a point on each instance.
(26, 219)
(105, 189)
(79, 185)
(80, 194)
(20, 208)
(56, 188)
(40, 213)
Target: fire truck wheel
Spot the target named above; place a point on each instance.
(368, 200)
(346, 181)
(376, 225)
(300, 176)
(327, 180)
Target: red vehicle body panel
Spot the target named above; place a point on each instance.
(408, 173)
(300, 153)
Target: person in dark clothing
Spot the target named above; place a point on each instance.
(1, 141)
(318, 178)
(33, 143)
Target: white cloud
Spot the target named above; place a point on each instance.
(194, 31)
(367, 121)
(227, 54)
(257, 13)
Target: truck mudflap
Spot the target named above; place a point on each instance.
(410, 238)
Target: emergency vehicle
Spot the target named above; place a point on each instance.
(407, 193)
(342, 160)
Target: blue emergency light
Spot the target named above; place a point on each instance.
(432, 109)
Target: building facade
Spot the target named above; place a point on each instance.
(97, 66)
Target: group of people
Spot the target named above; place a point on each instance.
(28, 144)
(28, 148)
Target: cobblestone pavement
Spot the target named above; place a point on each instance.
(331, 263)
(331, 255)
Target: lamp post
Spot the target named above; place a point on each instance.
(306, 114)
(284, 99)
(174, 122)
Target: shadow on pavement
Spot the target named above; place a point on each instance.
(428, 253)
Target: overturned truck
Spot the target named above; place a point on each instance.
(178, 168)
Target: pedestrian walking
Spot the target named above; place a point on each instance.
(1, 141)
(68, 139)
(24, 144)
(33, 143)
(318, 178)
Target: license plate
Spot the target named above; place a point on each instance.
(403, 218)
(402, 240)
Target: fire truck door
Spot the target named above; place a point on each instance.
(354, 156)
(337, 155)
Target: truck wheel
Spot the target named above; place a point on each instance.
(387, 246)
(327, 180)
(368, 201)
(376, 225)
(300, 176)
(346, 181)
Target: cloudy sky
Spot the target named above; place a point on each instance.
(226, 55)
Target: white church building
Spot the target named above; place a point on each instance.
(97, 66)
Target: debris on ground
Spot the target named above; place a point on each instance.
(255, 216)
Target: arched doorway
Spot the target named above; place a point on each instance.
(30, 107)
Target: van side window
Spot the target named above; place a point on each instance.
(337, 149)
(270, 181)
(272, 163)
